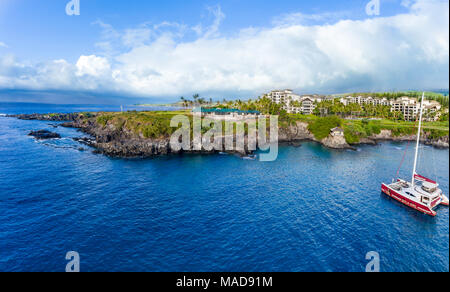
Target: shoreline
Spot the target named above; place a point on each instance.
(109, 140)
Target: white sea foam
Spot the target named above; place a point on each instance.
(250, 157)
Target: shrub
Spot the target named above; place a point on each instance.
(436, 134)
(119, 123)
(351, 137)
(352, 133)
(372, 127)
(376, 128)
(321, 127)
(403, 131)
(103, 119)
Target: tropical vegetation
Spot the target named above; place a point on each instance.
(357, 121)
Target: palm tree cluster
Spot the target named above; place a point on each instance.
(196, 101)
(262, 104)
(335, 107)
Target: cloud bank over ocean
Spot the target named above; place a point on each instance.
(405, 51)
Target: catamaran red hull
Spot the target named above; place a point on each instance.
(405, 201)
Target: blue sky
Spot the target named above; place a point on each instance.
(163, 49)
(41, 30)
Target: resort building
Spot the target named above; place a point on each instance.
(337, 132)
(283, 96)
(408, 106)
(432, 110)
(294, 103)
(382, 101)
(308, 105)
(224, 114)
(364, 100)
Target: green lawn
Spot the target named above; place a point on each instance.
(151, 124)
(440, 126)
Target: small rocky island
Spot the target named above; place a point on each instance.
(44, 135)
(147, 134)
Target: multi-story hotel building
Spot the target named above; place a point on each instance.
(408, 106)
(282, 96)
(290, 101)
(364, 100)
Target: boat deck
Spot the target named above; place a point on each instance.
(416, 193)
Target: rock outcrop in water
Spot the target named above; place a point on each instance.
(336, 142)
(44, 135)
(442, 142)
(299, 132)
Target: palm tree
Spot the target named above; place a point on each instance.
(201, 101)
(183, 100)
(196, 96)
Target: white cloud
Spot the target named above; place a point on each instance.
(406, 51)
(406, 3)
(93, 66)
(57, 74)
(3, 45)
(219, 16)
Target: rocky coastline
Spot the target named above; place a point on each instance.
(110, 141)
(299, 132)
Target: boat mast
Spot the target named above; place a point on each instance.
(418, 140)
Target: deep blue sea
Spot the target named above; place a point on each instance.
(313, 209)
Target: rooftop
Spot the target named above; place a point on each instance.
(337, 129)
(224, 111)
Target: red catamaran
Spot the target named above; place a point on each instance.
(422, 194)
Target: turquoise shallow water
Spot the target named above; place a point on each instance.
(313, 209)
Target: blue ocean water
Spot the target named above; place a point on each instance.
(31, 108)
(313, 209)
